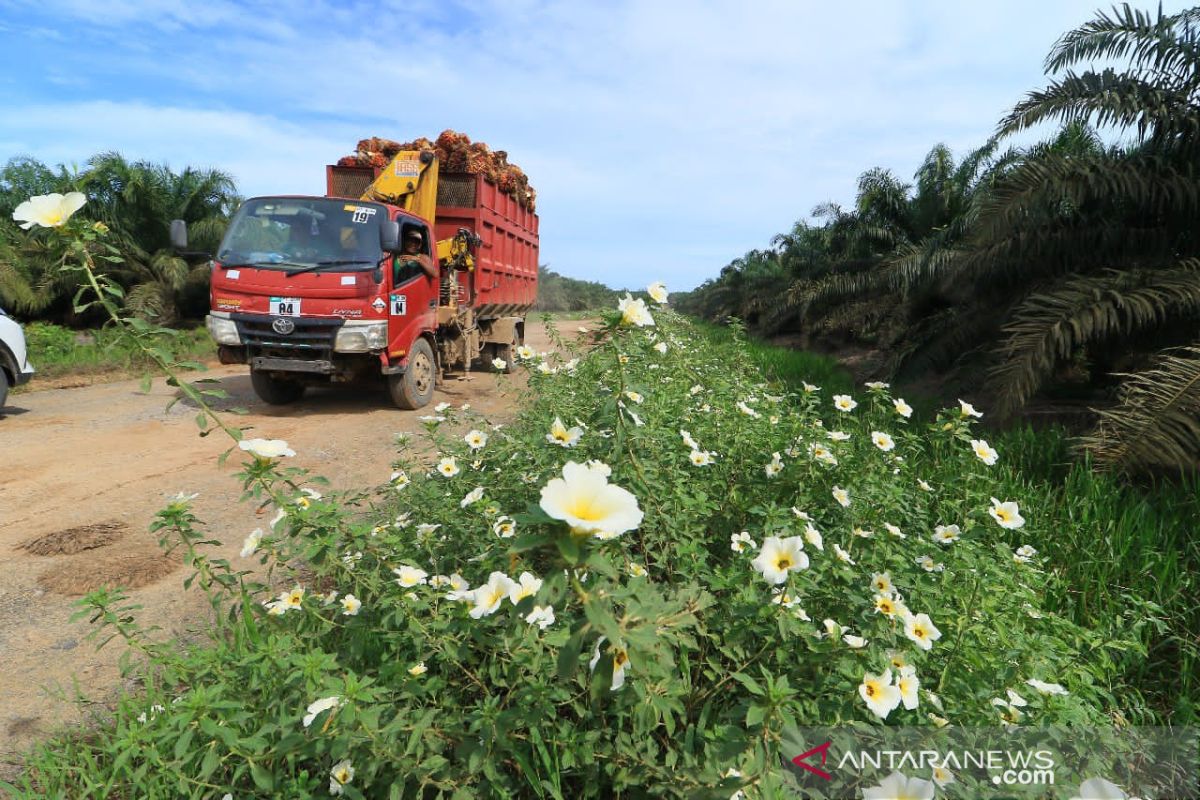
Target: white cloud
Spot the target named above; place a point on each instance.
(697, 132)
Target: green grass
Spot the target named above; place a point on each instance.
(1123, 554)
(56, 351)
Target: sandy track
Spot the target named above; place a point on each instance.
(72, 458)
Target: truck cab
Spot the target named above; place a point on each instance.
(333, 290)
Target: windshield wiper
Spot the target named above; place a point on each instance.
(337, 262)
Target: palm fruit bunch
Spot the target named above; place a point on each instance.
(457, 153)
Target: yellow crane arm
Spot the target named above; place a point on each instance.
(409, 181)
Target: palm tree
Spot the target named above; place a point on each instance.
(1107, 242)
(138, 200)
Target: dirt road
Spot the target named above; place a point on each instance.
(82, 472)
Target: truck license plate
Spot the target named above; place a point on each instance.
(284, 306)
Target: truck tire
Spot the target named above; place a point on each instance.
(508, 352)
(273, 391)
(3, 389)
(413, 388)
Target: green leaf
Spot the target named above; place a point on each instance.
(568, 656)
(751, 685)
(263, 777)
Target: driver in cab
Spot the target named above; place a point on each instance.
(410, 252)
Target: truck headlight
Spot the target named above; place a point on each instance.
(361, 337)
(223, 330)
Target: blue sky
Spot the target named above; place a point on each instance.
(664, 139)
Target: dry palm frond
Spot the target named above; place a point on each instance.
(1156, 423)
(1048, 326)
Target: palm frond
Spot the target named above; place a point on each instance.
(1156, 422)
(1048, 326)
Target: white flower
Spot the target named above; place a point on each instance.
(779, 556)
(341, 774)
(747, 410)
(475, 439)
(798, 514)
(48, 210)
(542, 616)
(924, 485)
(460, 590)
(560, 435)
(688, 440)
(251, 542)
(634, 312)
(882, 583)
(473, 496)
(946, 534)
(1047, 688)
(266, 448)
(545, 368)
(448, 467)
(589, 504)
(418, 669)
(1007, 514)
(695, 390)
(968, 410)
(425, 530)
(832, 629)
(899, 787)
(499, 364)
(854, 642)
(1024, 554)
(942, 776)
(809, 388)
(813, 537)
(843, 402)
(902, 408)
(634, 396)
(775, 467)
(487, 598)
(350, 605)
(738, 542)
(637, 571)
(620, 662)
(894, 530)
(928, 564)
(883, 441)
(842, 496)
(315, 708)
(1099, 789)
(408, 576)
(920, 629)
(701, 458)
(838, 436)
(400, 479)
(984, 451)
(657, 292)
(661, 347)
(880, 696)
(504, 527)
(842, 555)
(525, 352)
(909, 685)
(527, 585)
(861, 533)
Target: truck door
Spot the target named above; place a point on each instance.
(412, 293)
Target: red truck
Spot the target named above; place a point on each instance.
(403, 272)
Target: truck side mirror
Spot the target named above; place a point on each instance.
(389, 236)
(178, 234)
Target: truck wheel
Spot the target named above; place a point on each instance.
(508, 352)
(3, 389)
(413, 388)
(273, 391)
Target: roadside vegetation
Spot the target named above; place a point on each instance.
(560, 293)
(663, 566)
(57, 352)
(1066, 271)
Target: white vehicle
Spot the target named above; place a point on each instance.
(15, 368)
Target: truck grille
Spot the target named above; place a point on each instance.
(312, 338)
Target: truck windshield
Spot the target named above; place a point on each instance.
(304, 234)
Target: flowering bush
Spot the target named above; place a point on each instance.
(639, 586)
